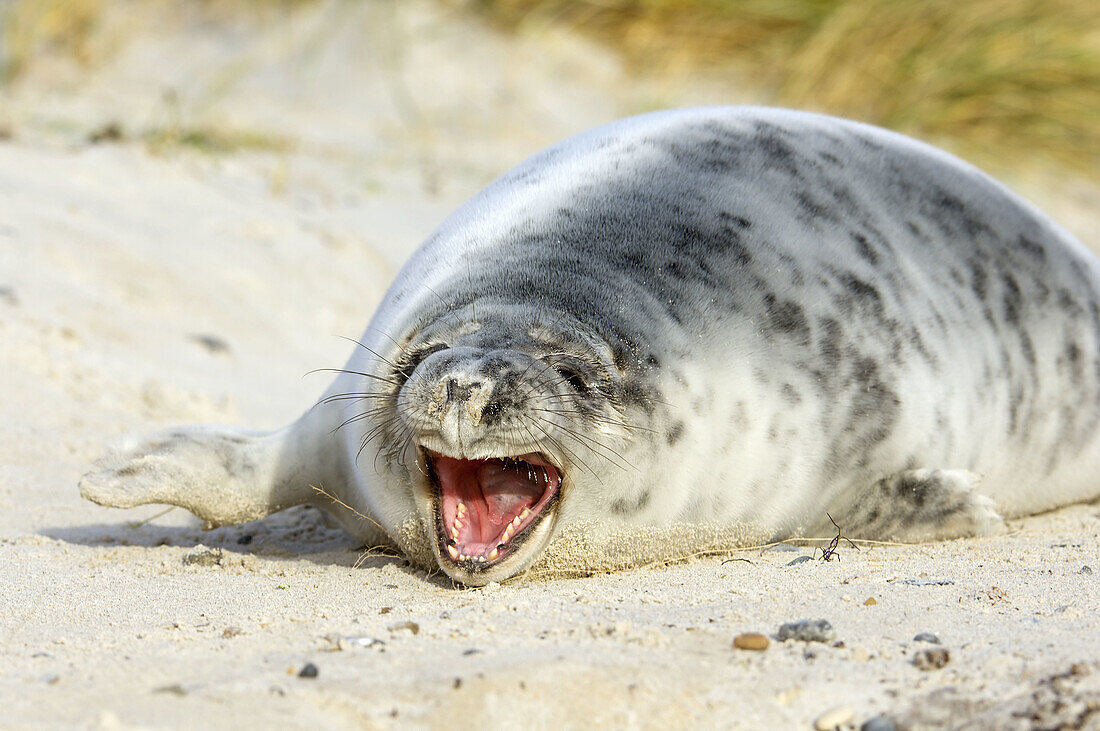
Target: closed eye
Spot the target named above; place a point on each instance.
(411, 360)
(573, 378)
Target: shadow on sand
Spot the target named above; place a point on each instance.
(300, 533)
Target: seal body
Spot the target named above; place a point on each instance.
(721, 315)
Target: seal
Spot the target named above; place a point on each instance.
(717, 316)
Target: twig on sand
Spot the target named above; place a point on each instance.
(342, 504)
(829, 552)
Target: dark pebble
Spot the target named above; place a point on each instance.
(1085, 570)
(927, 637)
(212, 343)
(308, 671)
(931, 659)
(807, 630)
(796, 561)
(174, 689)
(110, 132)
(878, 723)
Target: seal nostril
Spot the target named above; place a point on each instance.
(453, 391)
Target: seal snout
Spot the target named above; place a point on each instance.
(459, 392)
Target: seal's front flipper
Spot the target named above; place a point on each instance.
(220, 474)
(924, 505)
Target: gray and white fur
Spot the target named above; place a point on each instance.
(728, 315)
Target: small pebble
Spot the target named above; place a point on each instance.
(309, 670)
(348, 643)
(931, 659)
(807, 631)
(796, 561)
(927, 637)
(51, 678)
(1085, 570)
(232, 631)
(750, 641)
(174, 689)
(878, 723)
(410, 626)
(204, 557)
(212, 343)
(834, 718)
(870, 602)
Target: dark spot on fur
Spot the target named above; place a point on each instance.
(1033, 249)
(634, 393)
(1012, 299)
(829, 343)
(674, 433)
(791, 395)
(787, 318)
(622, 506)
(978, 279)
(812, 208)
(864, 249)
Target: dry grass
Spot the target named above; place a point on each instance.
(1002, 77)
(996, 79)
(29, 28)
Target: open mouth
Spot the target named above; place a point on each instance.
(487, 507)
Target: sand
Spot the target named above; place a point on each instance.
(146, 281)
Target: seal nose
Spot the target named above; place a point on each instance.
(454, 391)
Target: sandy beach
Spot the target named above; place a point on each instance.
(191, 225)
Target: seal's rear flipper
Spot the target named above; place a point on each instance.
(924, 505)
(221, 474)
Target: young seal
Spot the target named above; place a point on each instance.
(730, 316)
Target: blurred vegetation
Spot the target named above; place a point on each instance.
(997, 79)
(1000, 77)
(32, 27)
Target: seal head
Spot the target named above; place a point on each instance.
(497, 419)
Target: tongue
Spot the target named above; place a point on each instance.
(507, 489)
